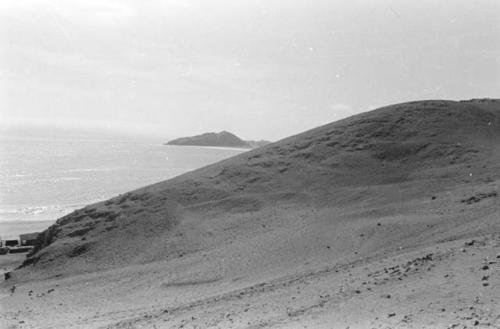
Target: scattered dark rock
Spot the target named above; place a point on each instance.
(433, 198)
(7, 275)
(79, 250)
(485, 267)
(426, 257)
(390, 315)
(470, 243)
(386, 296)
(478, 197)
(80, 232)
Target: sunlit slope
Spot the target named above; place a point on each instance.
(392, 177)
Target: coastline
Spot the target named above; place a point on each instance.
(12, 228)
(223, 148)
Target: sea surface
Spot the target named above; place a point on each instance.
(42, 179)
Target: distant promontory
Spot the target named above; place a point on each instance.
(222, 139)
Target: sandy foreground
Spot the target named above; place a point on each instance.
(10, 261)
(453, 284)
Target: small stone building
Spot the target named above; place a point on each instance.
(28, 239)
(11, 242)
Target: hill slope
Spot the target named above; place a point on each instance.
(439, 143)
(222, 139)
(294, 220)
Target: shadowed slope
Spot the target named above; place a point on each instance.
(275, 203)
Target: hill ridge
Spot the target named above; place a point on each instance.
(443, 144)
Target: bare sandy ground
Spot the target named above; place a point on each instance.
(448, 277)
(9, 262)
(445, 286)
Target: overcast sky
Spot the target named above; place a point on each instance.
(258, 68)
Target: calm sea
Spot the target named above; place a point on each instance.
(44, 179)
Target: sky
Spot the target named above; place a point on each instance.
(262, 69)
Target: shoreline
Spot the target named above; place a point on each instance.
(13, 228)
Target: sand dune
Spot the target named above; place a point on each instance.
(387, 218)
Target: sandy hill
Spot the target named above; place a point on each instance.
(222, 139)
(356, 207)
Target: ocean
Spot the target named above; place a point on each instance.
(43, 179)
